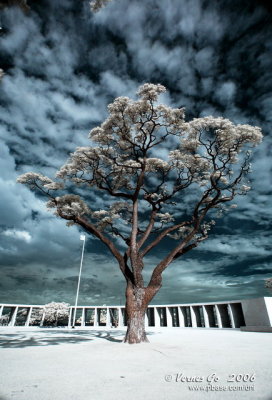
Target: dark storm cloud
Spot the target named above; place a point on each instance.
(63, 66)
(196, 50)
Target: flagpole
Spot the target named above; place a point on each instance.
(82, 237)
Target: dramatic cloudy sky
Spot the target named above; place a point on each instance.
(63, 65)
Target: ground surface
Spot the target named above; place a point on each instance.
(62, 364)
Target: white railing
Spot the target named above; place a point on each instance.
(206, 315)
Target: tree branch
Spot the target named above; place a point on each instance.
(161, 236)
(148, 229)
(94, 231)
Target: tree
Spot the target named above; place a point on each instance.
(4, 320)
(10, 3)
(36, 317)
(96, 5)
(144, 195)
(268, 284)
(55, 312)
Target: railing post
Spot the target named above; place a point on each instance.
(28, 316)
(181, 318)
(238, 316)
(95, 317)
(83, 317)
(169, 321)
(108, 319)
(232, 323)
(206, 317)
(70, 317)
(157, 317)
(193, 317)
(43, 317)
(120, 318)
(146, 320)
(219, 320)
(13, 317)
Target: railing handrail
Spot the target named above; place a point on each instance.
(123, 306)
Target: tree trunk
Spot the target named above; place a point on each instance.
(137, 300)
(136, 327)
(135, 310)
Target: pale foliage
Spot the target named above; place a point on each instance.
(69, 205)
(32, 179)
(268, 283)
(144, 191)
(4, 320)
(54, 312)
(36, 316)
(96, 5)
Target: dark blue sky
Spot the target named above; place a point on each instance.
(63, 65)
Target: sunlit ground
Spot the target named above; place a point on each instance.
(92, 364)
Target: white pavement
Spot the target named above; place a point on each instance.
(62, 364)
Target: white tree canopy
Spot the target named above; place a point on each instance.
(96, 5)
(144, 157)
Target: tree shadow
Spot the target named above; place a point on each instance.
(56, 337)
(53, 338)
